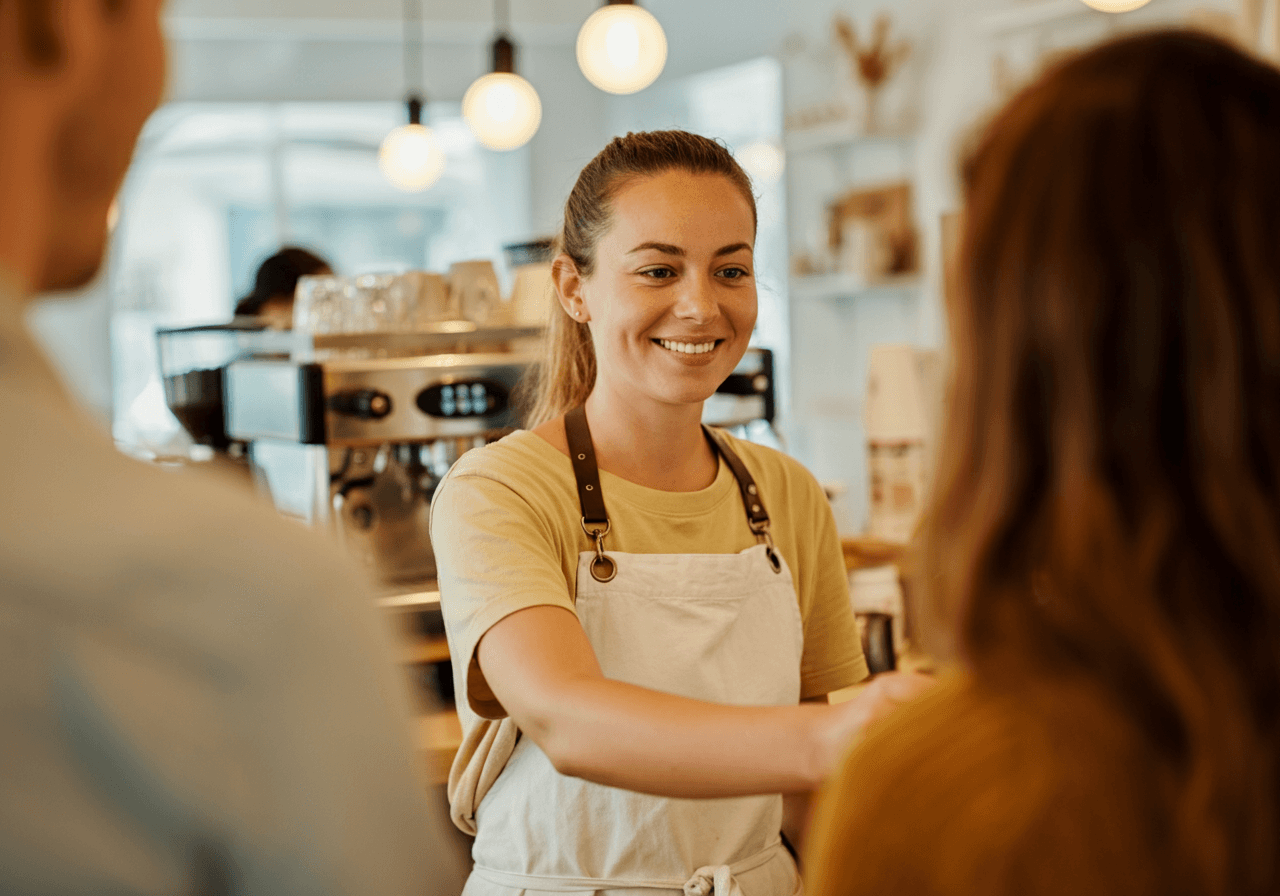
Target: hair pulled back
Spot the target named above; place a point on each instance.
(567, 372)
(1107, 509)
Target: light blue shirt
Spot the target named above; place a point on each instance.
(195, 695)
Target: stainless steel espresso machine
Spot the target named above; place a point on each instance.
(357, 433)
(354, 432)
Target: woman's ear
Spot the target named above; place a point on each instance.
(564, 273)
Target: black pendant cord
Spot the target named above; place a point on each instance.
(413, 49)
(504, 50)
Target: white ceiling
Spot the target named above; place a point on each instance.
(539, 12)
(701, 34)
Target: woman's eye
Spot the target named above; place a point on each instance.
(735, 273)
(658, 273)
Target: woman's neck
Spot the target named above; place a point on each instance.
(654, 445)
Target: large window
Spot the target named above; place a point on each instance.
(215, 188)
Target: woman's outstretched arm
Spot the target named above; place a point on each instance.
(543, 671)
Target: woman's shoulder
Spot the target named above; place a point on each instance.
(518, 457)
(775, 469)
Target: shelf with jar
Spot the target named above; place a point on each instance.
(867, 242)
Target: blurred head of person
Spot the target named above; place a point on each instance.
(275, 282)
(78, 79)
(1108, 502)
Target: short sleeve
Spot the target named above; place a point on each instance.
(494, 556)
(832, 649)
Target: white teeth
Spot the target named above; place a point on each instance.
(688, 348)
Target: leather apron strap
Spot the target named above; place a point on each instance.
(595, 519)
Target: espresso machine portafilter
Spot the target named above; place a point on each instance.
(360, 443)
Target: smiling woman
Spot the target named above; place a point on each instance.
(669, 318)
(646, 601)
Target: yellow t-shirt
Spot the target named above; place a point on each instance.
(505, 527)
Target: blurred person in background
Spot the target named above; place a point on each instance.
(194, 698)
(1103, 549)
(273, 287)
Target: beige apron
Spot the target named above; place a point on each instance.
(724, 628)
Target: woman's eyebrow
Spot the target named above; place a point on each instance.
(668, 249)
(665, 248)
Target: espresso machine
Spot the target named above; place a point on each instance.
(355, 432)
(747, 396)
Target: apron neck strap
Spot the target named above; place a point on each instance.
(585, 470)
(757, 516)
(595, 519)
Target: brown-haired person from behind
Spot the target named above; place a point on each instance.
(275, 283)
(1104, 545)
(196, 696)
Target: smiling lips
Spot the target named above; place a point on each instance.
(688, 348)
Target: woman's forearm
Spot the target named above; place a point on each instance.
(544, 673)
(625, 736)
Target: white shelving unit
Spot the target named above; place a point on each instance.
(840, 135)
(847, 287)
(836, 316)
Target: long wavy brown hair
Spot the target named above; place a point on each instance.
(1107, 506)
(567, 372)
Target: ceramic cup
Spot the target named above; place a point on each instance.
(532, 295)
(473, 288)
(428, 298)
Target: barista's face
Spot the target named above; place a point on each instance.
(672, 301)
(94, 143)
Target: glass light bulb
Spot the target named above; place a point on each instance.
(411, 158)
(1115, 5)
(621, 48)
(503, 110)
(622, 43)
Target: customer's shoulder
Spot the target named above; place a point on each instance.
(92, 525)
(1019, 747)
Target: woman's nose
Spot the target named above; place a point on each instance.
(697, 302)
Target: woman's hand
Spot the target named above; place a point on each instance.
(873, 702)
(544, 672)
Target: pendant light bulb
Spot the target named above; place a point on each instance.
(502, 108)
(1115, 5)
(410, 156)
(621, 48)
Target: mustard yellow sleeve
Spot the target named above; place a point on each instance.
(495, 555)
